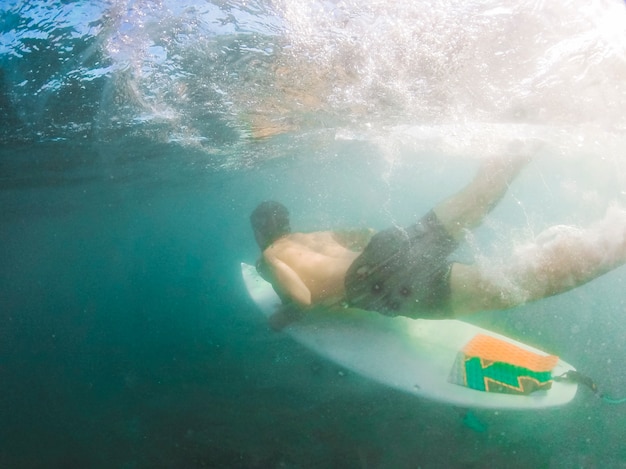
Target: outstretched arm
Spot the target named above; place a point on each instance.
(466, 209)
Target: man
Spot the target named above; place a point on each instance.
(407, 271)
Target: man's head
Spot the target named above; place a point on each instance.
(270, 221)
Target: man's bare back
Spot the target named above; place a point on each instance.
(310, 267)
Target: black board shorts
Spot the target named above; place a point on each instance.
(404, 271)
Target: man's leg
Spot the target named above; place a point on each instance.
(560, 259)
(466, 209)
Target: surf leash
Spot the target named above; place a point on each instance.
(579, 378)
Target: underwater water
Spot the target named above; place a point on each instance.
(136, 138)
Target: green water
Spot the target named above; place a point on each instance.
(128, 171)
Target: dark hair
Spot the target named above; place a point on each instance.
(270, 221)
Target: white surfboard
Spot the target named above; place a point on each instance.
(415, 356)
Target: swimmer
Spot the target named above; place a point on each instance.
(408, 272)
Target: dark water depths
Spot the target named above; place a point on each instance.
(128, 168)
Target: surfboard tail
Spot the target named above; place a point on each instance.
(492, 365)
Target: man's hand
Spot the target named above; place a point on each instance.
(285, 315)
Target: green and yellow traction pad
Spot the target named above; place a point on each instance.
(494, 365)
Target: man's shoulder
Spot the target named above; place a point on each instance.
(300, 242)
(289, 241)
(304, 238)
(310, 234)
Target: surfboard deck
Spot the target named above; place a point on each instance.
(411, 355)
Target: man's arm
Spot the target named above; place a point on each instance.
(285, 315)
(290, 282)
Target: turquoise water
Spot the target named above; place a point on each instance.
(130, 160)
